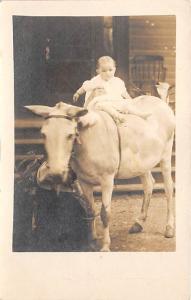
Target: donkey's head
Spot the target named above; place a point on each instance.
(60, 132)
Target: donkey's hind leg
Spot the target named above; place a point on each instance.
(148, 183)
(169, 188)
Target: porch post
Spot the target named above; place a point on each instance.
(121, 46)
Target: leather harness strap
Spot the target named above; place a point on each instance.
(119, 139)
(119, 143)
(59, 117)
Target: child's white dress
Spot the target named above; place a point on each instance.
(114, 88)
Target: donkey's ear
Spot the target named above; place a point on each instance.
(40, 110)
(81, 113)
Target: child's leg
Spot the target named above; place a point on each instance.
(112, 111)
(128, 107)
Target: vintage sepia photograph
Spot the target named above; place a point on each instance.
(95, 160)
(94, 109)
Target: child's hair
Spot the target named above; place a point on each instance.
(104, 59)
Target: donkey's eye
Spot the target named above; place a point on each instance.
(70, 136)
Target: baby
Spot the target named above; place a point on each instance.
(107, 89)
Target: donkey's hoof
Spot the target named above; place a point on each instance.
(136, 228)
(169, 233)
(105, 248)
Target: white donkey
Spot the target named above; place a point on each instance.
(98, 151)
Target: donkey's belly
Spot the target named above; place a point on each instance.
(132, 164)
(137, 161)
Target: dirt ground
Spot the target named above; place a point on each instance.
(125, 209)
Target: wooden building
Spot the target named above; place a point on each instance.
(154, 35)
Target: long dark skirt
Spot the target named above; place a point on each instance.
(44, 222)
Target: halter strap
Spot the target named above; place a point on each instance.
(59, 117)
(68, 118)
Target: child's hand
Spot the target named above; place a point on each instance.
(76, 97)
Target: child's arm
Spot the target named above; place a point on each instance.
(87, 86)
(124, 92)
(78, 93)
(126, 95)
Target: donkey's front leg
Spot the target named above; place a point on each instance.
(107, 188)
(89, 207)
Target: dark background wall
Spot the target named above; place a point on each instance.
(54, 55)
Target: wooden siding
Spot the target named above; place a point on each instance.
(154, 35)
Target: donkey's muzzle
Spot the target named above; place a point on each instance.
(48, 178)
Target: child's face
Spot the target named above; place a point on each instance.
(106, 70)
